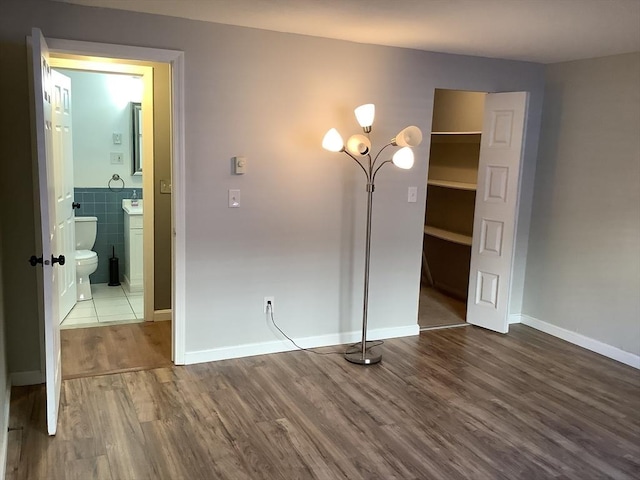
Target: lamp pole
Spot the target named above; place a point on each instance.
(363, 356)
(361, 146)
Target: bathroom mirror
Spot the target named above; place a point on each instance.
(136, 138)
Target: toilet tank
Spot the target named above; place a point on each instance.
(86, 230)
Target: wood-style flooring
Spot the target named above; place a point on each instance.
(460, 403)
(115, 349)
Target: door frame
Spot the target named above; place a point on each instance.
(175, 59)
(517, 206)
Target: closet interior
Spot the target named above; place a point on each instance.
(451, 193)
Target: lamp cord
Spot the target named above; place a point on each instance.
(375, 343)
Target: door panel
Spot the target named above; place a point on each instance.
(495, 210)
(63, 173)
(43, 126)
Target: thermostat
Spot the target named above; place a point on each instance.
(239, 165)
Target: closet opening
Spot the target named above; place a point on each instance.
(450, 203)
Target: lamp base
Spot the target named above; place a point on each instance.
(371, 355)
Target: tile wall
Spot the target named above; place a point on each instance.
(107, 206)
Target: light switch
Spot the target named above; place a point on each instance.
(239, 165)
(234, 198)
(117, 138)
(412, 195)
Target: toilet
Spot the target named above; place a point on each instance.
(86, 260)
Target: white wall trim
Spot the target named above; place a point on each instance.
(162, 315)
(277, 346)
(585, 342)
(176, 59)
(33, 377)
(4, 448)
(179, 213)
(515, 318)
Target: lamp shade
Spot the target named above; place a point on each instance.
(332, 141)
(365, 114)
(408, 137)
(358, 145)
(403, 158)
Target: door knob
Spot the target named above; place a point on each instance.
(75, 205)
(35, 260)
(61, 260)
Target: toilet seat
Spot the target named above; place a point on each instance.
(86, 257)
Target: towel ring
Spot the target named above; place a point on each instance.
(116, 178)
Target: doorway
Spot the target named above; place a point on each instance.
(477, 146)
(176, 136)
(41, 50)
(106, 182)
(449, 214)
(115, 155)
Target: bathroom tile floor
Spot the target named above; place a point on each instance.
(109, 305)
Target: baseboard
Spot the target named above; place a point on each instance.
(585, 342)
(277, 346)
(162, 315)
(19, 379)
(515, 318)
(126, 284)
(4, 448)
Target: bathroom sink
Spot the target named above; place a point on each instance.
(131, 210)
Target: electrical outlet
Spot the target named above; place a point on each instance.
(117, 158)
(269, 299)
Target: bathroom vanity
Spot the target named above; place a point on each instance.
(133, 246)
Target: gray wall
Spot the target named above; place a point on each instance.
(299, 233)
(583, 269)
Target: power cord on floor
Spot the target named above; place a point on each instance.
(357, 344)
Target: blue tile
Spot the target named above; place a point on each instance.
(113, 219)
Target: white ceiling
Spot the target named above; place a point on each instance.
(545, 31)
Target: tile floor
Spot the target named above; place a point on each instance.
(109, 305)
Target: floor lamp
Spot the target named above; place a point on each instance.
(360, 146)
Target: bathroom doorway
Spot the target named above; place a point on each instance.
(115, 188)
(106, 182)
(41, 50)
(103, 97)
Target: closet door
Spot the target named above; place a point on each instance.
(494, 222)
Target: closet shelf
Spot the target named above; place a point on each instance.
(474, 132)
(452, 184)
(448, 236)
(456, 137)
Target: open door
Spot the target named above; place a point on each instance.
(63, 180)
(494, 222)
(42, 123)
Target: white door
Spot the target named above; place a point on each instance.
(495, 210)
(42, 91)
(63, 180)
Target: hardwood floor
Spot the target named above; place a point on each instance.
(115, 349)
(462, 403)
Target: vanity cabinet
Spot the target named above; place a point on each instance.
(133, 247)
